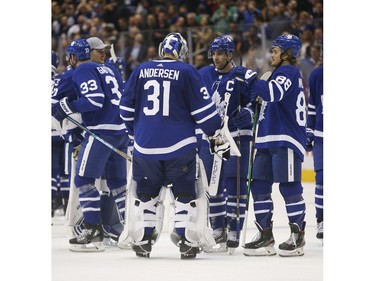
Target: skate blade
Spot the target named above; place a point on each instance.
(91, 247)
(109, 242)
(143, 255)
(260, 252)
(231, 251)
(293, 253)
(218, 248)
(124, 246)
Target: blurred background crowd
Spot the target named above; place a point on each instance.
(136, 27)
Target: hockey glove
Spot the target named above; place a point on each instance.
(244, 119)
(62, 109)
(223, 150)
(309, 139)
(243, 74)
(219, 146)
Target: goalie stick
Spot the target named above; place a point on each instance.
(218, 161)
(265, 76)
(79, 125)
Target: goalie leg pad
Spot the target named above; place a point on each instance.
(192, 215)
(143, 218)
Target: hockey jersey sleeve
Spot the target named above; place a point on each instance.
(275, 89)
(315, 104)
(203, 108)
(91, 95)
(311, 109)
(127, 103)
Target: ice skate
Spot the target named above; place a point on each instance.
(143, 248)
(262, 244)
(221, 238)
(232, 242)
(90, 240)
(187, 250)
(319, 230)
(294, 245)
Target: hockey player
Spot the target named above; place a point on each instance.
(98, 99)
(280, 145)
(226, 214)
(119, 63)
(164, 101)
(60, 179)
(112, 217)
(315, 140)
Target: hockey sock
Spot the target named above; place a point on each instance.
(119, 197)
(217, 211)
(231, 186)
(319, 202)
(263, 209)
(263, 204)
(294, 202)
(89, 199)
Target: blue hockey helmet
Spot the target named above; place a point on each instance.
(174, 44)
(286, 42)
(224, 44)
(79, 48)
(55, 59)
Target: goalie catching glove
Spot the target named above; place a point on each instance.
(219, 146)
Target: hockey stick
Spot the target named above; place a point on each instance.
(118, 151)
(217, 162)
(265, 76)
(238, 175)
(113, 54)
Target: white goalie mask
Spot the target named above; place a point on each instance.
(174, 44)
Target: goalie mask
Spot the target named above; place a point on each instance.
(223, 44)
(174, 44)
(286, 42)
(80, 49)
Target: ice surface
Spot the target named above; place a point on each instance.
(165, 263)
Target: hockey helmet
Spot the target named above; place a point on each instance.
(119, 64)
(286, 42)
(224, 44)
(79, 48)
(55, 59)
(174, 44)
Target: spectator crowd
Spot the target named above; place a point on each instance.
(137, 27)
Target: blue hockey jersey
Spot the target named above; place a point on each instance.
(218, 84)
(62, 86)
(282, 118)
(98, 100)
(164, 100)
(315, 107)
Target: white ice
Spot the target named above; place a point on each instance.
(165, 263)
